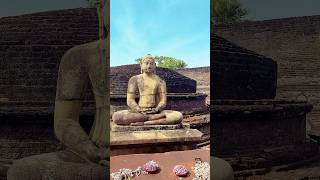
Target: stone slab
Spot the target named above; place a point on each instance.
(119, 128)
(166, 162)
(155, 136)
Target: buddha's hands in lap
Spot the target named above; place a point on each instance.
(97, 155)
(149, 110)
(154, 110)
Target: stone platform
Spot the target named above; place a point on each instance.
(269, 132)
(152, 139)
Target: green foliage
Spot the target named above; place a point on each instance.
(92, 3)
(227, 11)
(168, 62)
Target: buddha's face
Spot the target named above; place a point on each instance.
(148, 65)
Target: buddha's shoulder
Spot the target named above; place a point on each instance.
(158, 78)
(135, 78)
(87, 48)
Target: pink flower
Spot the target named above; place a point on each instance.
(151, 167)
(180, 170)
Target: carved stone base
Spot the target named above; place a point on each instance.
(155, 141)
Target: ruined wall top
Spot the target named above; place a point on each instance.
(176, 83)
(238, 73)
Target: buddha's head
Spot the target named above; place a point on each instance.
(148, 64)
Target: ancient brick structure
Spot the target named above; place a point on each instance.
(176, 83)
(31, 47)
(182, 94)
(294, 44)
(238, 73)
(249, 128)
(202, 76)
(269, 116)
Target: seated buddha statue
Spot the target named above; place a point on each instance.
(86, 155)
(153, 99)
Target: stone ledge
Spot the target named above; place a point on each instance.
(260, 107)
(119, 128)
(156, 136)
(24, 108)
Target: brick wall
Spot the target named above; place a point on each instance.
(31, 47)
(202, 76)
(294, 44)
(238, 73)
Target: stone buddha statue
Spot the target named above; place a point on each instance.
(153, 99)
(86, 156)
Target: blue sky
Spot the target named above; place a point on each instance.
(175, 28)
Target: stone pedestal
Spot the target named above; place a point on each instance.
(152, 139)
(268, 133)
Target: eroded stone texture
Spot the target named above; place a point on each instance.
(155, 141)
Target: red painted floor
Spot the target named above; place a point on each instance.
(166, 161)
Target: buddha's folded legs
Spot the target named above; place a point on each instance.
(170, 117)
(126, 117)
(60, 165)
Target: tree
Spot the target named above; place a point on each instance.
(92, 3)
(168, 62)
(227, 11)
